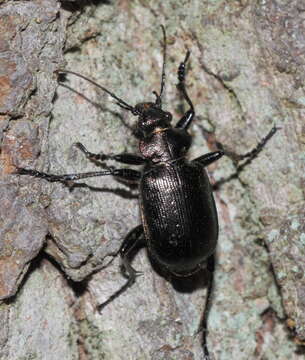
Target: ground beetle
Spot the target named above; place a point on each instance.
(179, 218)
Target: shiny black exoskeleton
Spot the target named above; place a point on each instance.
(179, 218)
(177, 208)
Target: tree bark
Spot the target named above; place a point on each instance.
(244, 76)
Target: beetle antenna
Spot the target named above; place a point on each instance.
(164, 61)
(120, 102)
(159, 97)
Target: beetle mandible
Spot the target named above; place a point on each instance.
(178, 213)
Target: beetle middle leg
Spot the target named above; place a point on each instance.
(127, 174)
(134, 237)
(209, 158)
(132, 242)
(248, 157)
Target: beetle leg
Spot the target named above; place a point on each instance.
(127, 174)
(203, 326)
(130, 243)
(126, 158)
(209, 158)
(248, 157)
(187, 118)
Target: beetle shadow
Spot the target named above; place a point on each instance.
(199, 280)
(78, 5)
(185, 284)
(123, 193)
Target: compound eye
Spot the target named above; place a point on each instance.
(168, 116)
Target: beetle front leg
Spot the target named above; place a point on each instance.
(126, 158)
(131, 241)
(187, 118)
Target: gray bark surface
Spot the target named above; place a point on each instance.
(245, 75)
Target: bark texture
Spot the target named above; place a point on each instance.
(245, 75)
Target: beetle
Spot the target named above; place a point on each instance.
(178, 213)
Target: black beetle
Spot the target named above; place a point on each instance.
(179, 218)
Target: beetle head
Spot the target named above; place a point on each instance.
(152, 117)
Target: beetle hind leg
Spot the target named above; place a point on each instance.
(203, 326)
(131, 243)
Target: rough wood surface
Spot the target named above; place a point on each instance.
(245, 75)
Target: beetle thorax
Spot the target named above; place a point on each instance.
(165, 145)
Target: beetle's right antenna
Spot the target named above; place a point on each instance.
(159, 97)
(164, 61)
(120, 102)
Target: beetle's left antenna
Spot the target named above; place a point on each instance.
(159, 97)
(120, 102)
